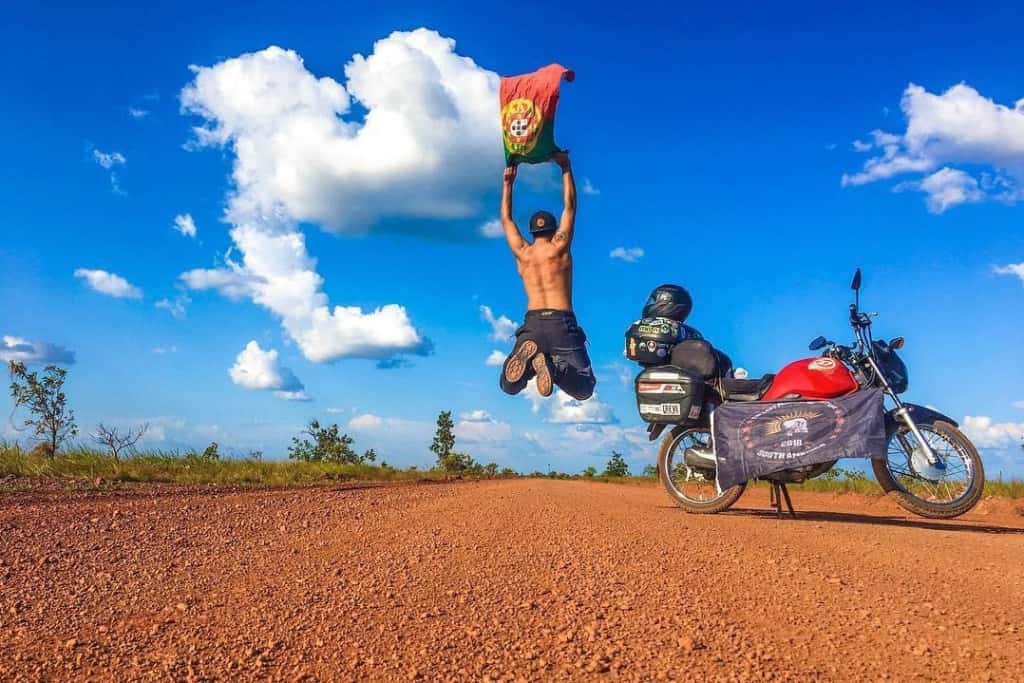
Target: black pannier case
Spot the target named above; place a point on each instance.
(669, 395)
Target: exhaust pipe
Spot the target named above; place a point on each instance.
(700, 458)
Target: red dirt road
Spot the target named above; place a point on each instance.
(503, 580)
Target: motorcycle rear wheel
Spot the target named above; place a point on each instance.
(932, 494)
(692, 489)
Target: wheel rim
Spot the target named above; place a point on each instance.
(943, 484)
(689, 483)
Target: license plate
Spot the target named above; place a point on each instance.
(670, 409)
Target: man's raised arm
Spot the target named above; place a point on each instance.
(512, 235)
(568, 223)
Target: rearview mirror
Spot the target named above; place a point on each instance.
(855, 285)
(817, 343)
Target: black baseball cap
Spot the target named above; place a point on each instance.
(542, 222)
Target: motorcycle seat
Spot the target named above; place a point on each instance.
(745, 389)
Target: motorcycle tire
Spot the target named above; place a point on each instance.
(725, 500)
(926, 508)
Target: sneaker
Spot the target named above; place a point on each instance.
(544, 383)
(515, 364)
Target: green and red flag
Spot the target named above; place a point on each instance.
(528, 104)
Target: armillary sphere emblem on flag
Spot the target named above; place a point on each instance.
(520, 124)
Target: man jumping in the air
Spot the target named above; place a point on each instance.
(549, 345)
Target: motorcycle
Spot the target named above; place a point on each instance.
(931, 468)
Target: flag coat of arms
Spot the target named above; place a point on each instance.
(528, 104)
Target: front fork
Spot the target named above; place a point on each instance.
(903, 414)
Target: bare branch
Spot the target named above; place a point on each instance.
(116, 442)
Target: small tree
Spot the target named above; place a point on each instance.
(210, 453)
(444, 437)
(651, 471)
(590, 472)
(508, 472)
(457, 462)
(617, 466)
(491, 469)
(328, 445)
(371, 455)
(49, 416)
(116, 442)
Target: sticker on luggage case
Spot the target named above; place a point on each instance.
(659, 388)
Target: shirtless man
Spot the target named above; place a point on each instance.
(549, 345)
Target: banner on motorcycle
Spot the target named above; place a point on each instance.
(759, 438)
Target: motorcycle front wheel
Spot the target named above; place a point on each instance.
(942, 491)
(692, 487)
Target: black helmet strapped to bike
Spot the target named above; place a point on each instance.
(669, 301)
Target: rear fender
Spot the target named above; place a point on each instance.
(918, 414)
(654, 431)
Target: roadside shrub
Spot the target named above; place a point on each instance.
(616, 466)
(326, 444)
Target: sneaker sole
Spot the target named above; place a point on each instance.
(515, 364)
(540, 366)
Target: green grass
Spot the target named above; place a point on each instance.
(178, 468)
(86, 464)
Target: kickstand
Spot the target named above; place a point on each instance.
(778, 493)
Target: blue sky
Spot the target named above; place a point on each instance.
(717, 142)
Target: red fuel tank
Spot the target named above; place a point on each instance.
(812, 378)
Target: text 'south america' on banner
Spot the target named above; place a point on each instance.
(758, 438)
(528, 105)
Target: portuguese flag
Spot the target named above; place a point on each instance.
(528, 105)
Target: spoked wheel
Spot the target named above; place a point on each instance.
(946, 489)
(689, 477)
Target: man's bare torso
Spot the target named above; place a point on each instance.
(546, 270)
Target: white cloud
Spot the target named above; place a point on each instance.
(25, 351)
(946, 188)
(257, 369)
(184, 224)
(138, 112)
(591, 441)
(988, 434)
(492, 229)
(1018, 404)
(477, 426)
(502, 328)
(108, 283)
(278, 274)
(162, 350)
(334, 411)
(624, 373)
(567, 410)
(561, 408)
(177, 306)
(588, 187)
(423, 150)
(627, 254)
(389, 426)
(960, 126)
(1010, 269)
(108, 160)
(232, 281)
(483, 432)
(365, 422)
(293, 395)
(495, 358)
